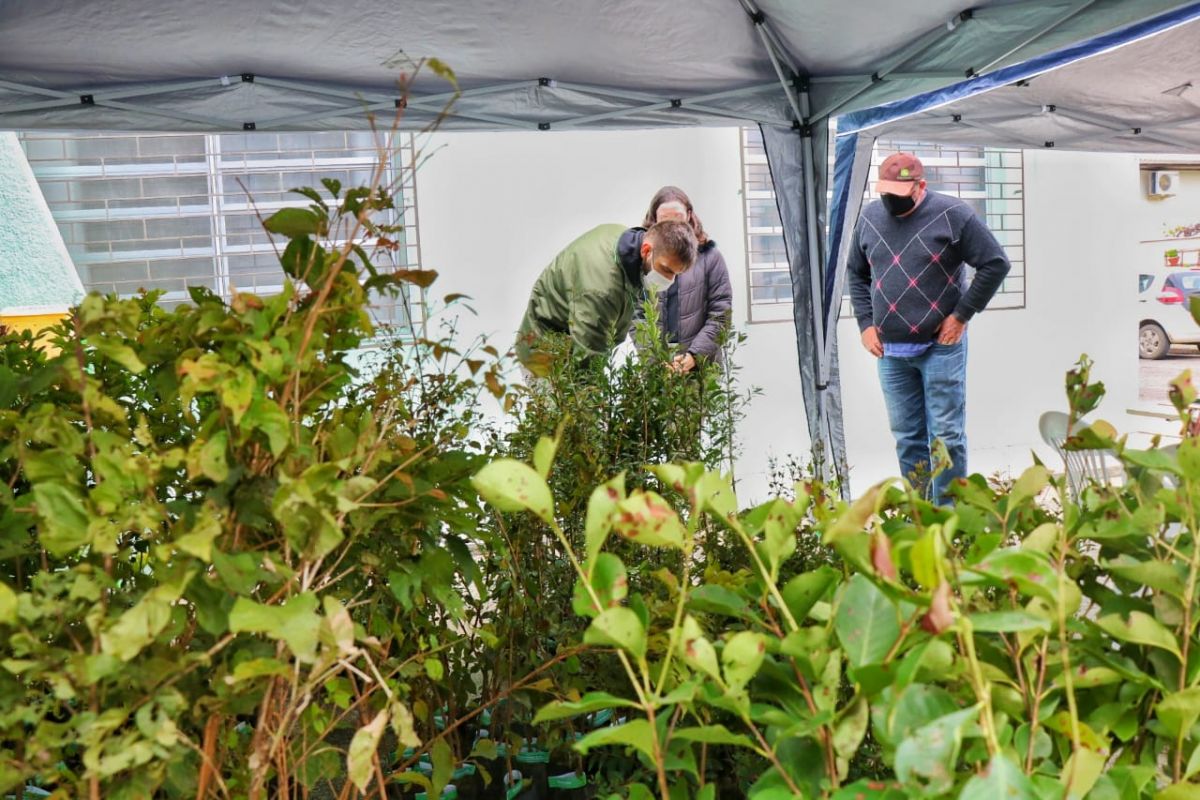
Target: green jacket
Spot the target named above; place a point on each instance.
(589, 291)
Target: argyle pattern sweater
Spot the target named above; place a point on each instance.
(906, 274)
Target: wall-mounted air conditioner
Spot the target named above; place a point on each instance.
(1162, 183)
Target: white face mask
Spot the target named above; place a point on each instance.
(656, 280)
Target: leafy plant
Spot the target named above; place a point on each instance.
(232, 561)
(1006, 646)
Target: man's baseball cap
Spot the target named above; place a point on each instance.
(899, 173)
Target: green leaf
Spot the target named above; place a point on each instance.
(927, 759)
(779, 535)
(1084, 767)
(140, 625)
(1000, 780)
(917, 706)
(8, 605)
(849, 732)
(212, 461)
(236, 392)
(646, 518)
(618, 627)
(636, 733)
(926, 557)
(294, 223)
(199, 538)
(714, 734)
(1008, 622)
(871, 789)
(804, 590)
(592, 701)
(741, 658)
(402, 725)
(609, 582)
(543, 455)
(1179, 711)
(1139, 628)
(714, 599)
(510, 485)
(361, 755)
(443, 766)
(1179, 791)
(1029, 571)
(118, 351)
(866, 622)
(295, 622)
(600, 507)
(64, 522)
(1168, 577)
(1028, 486)
(257, 668)
(266, 416)
(696, 650)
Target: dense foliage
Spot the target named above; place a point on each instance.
(1023, 643)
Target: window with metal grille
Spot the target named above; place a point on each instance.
(175, 211)
(990, 180)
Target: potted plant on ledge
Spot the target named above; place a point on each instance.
(1172, 257)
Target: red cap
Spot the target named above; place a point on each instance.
(899, 173)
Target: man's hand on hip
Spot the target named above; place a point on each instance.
(951, 330)
(870, 340)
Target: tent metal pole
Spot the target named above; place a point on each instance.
(771, 39)
(574, 122)
(98, 98)
(943, 74)
(740, 115)
(1005, 136)
(1043, 31)
(785, 80)
(898, 60)
(1118, 126)
(384, 102)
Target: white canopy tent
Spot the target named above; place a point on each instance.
(549, 65)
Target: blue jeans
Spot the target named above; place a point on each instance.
(926, 398)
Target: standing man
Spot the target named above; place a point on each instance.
(911, 298)
(590, 289)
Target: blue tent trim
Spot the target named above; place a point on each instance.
(888, 112)
(843, 165)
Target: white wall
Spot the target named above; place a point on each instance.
(495, 208)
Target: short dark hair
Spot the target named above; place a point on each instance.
(674, 237)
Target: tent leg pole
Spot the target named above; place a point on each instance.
(816, 282)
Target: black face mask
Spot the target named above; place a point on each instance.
(897, 205)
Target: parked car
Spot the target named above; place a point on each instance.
(1166, 313)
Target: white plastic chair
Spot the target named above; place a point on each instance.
(1083, 466)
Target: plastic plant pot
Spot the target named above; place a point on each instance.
(535, 765)
(469, 782)
(567, 786)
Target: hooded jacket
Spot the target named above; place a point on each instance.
(702, 303)
(589, 292)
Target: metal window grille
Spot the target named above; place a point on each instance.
(175, 211)
(990, 180)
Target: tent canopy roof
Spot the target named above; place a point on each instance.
(1137, 91)
(178, 65)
